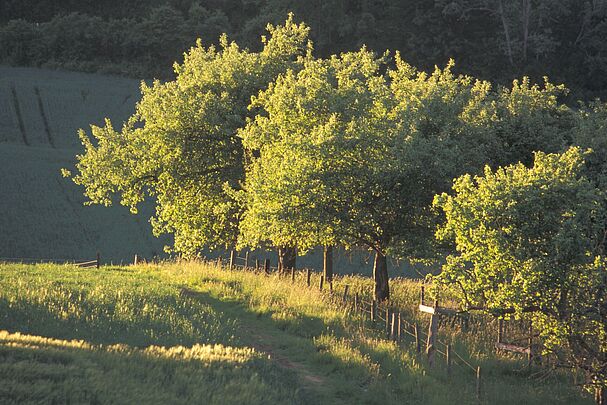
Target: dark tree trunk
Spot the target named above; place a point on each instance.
(328, 263)
(380, 275)
(286, 259)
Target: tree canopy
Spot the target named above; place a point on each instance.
(352, 152)
(533, 240)
(181, 146)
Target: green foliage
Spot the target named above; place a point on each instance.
(314, 144)
(589, 132)
(533, 238)
(349, 154)
(181, 145)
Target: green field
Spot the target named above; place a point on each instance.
(42, 213)
(193, 333)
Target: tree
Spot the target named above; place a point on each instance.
(589, 132)
(350, 155)
(320, 144)
(181, 146)
(531, 239)
(15, 39)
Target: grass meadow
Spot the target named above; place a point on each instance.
(196, 333)
(44, 216)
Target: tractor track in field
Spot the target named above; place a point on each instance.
(20, 122)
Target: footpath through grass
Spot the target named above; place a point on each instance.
(193, 333)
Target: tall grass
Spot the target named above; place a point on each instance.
(38, 370)
(385, 370)
(319, 351)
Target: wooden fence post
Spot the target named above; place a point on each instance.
(292, 275)
(256, 264)
(98, 260)
(232, 254)
(388, 321)
(418, 345)
(400, 327)
(500, 330)
(599, 396)
(448, 359)
(322, 279)
(355, 301)
(478, 383)
(266, 266)
(135, 260)
(246, 260)
(308, 275)
(346, 287)
(530, 353)
(393, 327)
(373, 310)
(421, 294)
(432, 332)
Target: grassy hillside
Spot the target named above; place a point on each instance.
(43, 214)
(45, 108)
(190, 332)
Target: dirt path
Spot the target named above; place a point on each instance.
(266, 339)
(263, 343)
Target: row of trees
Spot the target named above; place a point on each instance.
(496, 40)
(279, 148)
(139, 46)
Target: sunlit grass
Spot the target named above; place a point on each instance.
(264, 336)
(126, 306)
(45, 370)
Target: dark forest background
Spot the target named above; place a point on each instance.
(498, 40)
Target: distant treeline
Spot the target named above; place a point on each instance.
(496, 40)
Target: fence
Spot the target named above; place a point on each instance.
(85, 264)
(380, 317)
(390, 321)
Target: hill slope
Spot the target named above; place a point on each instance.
(43, 215)
(195, 333)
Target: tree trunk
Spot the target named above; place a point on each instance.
(599, 396)
(328, 263)
(506, 32)
(380, 275)
(286, 258)
(526, 18)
